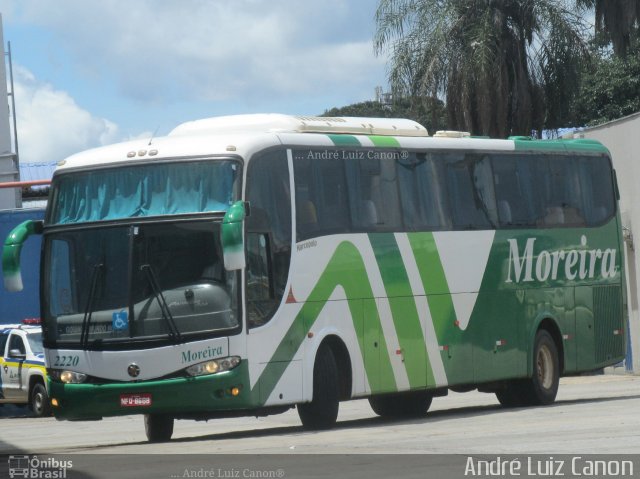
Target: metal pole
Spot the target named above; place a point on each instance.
(13, 111)
(22, 184)
(16, 161)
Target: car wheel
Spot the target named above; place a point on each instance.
(40, 400)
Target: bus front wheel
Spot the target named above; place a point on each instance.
(512, 394)
(322, 411)
(159, 427)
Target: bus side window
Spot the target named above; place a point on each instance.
(425, 206)
(469, 210)
(259, 282)
(322, 203)
(514, 184)
(268, 235)
(597, 185)
(485, 191)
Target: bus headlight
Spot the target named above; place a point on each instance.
(69, 377)
(214, 366)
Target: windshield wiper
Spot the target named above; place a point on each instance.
(157, 292)
(88, 310)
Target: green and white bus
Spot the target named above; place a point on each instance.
(246, 265)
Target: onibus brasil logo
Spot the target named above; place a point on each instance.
(36, 468)
(582, 263)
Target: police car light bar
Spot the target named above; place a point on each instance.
(31, 321)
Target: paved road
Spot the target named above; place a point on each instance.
(593, 414)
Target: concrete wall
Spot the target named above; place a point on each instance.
(622, 138)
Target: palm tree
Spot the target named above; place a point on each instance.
(617, 19)
(500, 64)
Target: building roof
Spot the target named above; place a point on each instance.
(37, 171)
(614, 122)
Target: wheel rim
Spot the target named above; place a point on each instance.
(545, 367)
(38, 403)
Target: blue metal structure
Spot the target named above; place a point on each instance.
(14, 307)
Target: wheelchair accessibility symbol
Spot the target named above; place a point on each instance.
(120, 321)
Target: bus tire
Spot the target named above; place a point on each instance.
(411, 404)
(512, 394)
(542, 387)
(158, 427)
(322, 411)
(39, 401)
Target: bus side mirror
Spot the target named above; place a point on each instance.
(233, 237)
(11, 253)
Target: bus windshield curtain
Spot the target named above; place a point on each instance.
(147, 190)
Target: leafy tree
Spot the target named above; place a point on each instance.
(618, 20)
(504, 67)
(610, 88)
(373, 109)
(429, 112)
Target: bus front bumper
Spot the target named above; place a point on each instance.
(225, 391)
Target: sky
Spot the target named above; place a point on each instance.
(90, 73)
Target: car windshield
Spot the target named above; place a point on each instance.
(137, 281)
(35, 343)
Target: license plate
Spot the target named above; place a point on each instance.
(135, 400)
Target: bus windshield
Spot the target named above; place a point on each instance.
(135, 282)
(144, 190)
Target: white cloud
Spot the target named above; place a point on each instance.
(146, 63)
(203, 50)
(51, 126)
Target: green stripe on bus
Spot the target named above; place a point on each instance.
(572, 146)
(403, 307)
(347, 269)
(384, 141)
(344, 140)
(435, 283)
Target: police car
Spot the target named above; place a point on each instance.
(23, 377)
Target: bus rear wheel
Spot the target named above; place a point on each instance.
(322, 411)
(411, 404)
(158, 427)
(541, 389)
